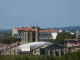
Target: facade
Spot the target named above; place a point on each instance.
(32, 46)
(31, 35)
(26, 34)
(34, 33)
(48, 34)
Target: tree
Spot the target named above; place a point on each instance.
(64, 35)
(61, 36)
(10, 40)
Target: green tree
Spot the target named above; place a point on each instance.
(61, 36)
(10, 40)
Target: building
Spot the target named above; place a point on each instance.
(2, 36)
(42, 48)
(26, 34)
(48, 34)
(31, 34)
(30, 47)
(77, 34)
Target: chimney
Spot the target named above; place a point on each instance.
(22, 27)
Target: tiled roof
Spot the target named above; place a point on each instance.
(30, 30)
(26, 29)
(50, 30)
(42, 31)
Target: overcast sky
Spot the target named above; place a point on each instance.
(45, 13)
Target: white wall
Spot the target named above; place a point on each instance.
(14, 31)
(33, 45)
(60, 31)
(54, 35)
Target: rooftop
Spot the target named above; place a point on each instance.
(33, 29)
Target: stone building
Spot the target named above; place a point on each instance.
(27, 34)
(31, 34)
(34, 33)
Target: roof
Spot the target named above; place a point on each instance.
(25, 29)
(34, 45)
(72, 41)
(50, 30)
(30, 29)
(33, 29)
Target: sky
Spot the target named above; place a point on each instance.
(45, 13)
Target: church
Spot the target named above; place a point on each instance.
(34, 33)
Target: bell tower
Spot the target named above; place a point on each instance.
(37, 33)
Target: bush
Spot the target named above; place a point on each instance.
(9, 40)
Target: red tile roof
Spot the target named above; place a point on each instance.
(25, 29)
(33, 29)
(30, 30)
(50, 30)
(44, 31)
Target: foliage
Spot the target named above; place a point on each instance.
(64, 35)
(26, 57)
(57, 41)
(68, 56)
(10, 40)
(7, 32)
(78, 38)
(61, 36)
(71, 56)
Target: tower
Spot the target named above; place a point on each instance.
(77, 33)
(37, 33)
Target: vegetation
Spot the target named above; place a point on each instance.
(78, 38)
(10, 40)
(61, 36)
(71, 56)
(8, 32)
(68, 56)
(64, 35)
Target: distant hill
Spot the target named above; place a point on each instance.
(74, 28)
(9, 31)
(71, 28)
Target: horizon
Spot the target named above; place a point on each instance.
(39, 26)
(45, 13)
